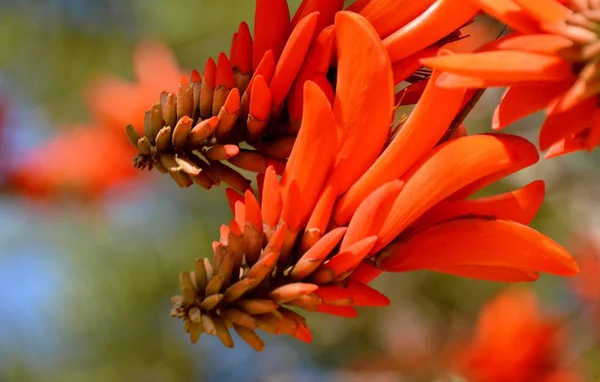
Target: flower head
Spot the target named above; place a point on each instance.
(551, 62)
(357, 197)
(246, 108)
(514, 341)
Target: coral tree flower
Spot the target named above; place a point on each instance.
(551, 62)
(357, 197)
(246, 107)
(514, 341)
(88, 160)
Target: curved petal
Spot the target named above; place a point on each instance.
(364, 98)
(564, 124)
(447, 169)
(438, 21)
(545, 11)
(326, 8)
(498, 274)
(425, 126)
(520, 206)
(479, 242)
(504, 65)
(509, 13)
(387, 16)
(271, 28)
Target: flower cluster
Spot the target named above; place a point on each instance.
(360, 192)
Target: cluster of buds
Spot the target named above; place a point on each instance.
(189, 134)
(257, 269)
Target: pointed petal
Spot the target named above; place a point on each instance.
(371, 213)
(566, 146)
(545, 11)
(345, 260)
(479, 242)
(364, 295)
(232, 197)
(365, 273)
(522, 100)
(271, 198)
(527, 155)
(510, 13)
(448, 168)
(292, 58)
(241, 49)
(253, 215)
(317, 254)
(504, 66)
(387, 16)
(498, 274)
(319, 219)
(425, 126)
(438, 21)
(342, 311)
(520, 205)
(271, 28)
(326, 8)
(364, 98)
(317, 63)
(313, 154)
(563, 124)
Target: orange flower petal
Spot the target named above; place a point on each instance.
(316, 63)
(292, 58)
(549, 44)
(224, 75)
(566, 146)
(365, 273)
(498, 274)
(241, 49)
(526, 155)
(457, 81)
(364, 295)
(504, 66)
(439, 20)
(389, 15)
(420, 133)
(260, 99)
(349, 258)
(479, 242)
(520, 205)
(563, 124)
(407, 66)
(313, 154)
(364, 98)
(253, 215)
(545, 11)
(271, 198)
(524, 99)
(326, 8)
(371, 213)
(319, 219)
(509, 13)
(342, 311)
(447, 169)
(271, 28)
(232, 197)
(317, 253)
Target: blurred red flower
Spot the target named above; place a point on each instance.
(86, 161)
(514, 341)
(551, 62)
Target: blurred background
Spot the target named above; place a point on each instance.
(87, 269)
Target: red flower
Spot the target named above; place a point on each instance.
(514, 341)
(255, 95)
(550, 63)
(356, 198)
(88, 160)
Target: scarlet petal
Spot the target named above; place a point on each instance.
(420, 133)
(241, 50)
(566, 146)
(317, 253)
(521, 100)
(364, 295)
(371, 213)
(498, 274)
(563, 124)
(545, 11)
(350, 257)
(510, 13)
(527, 155)
(232, 197)
(316, 63)
(365, 273)
(292, 58)
(326, 8)
(260, 99)
(364, 98)
(313, 154)
(448, 168)
(271, 28)
(439, 20)
(543, 43)
(224, 75)
(479, 242)
(271, 198)
(520, 205)
(253, 215)
(504, 65)
(389, 15)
